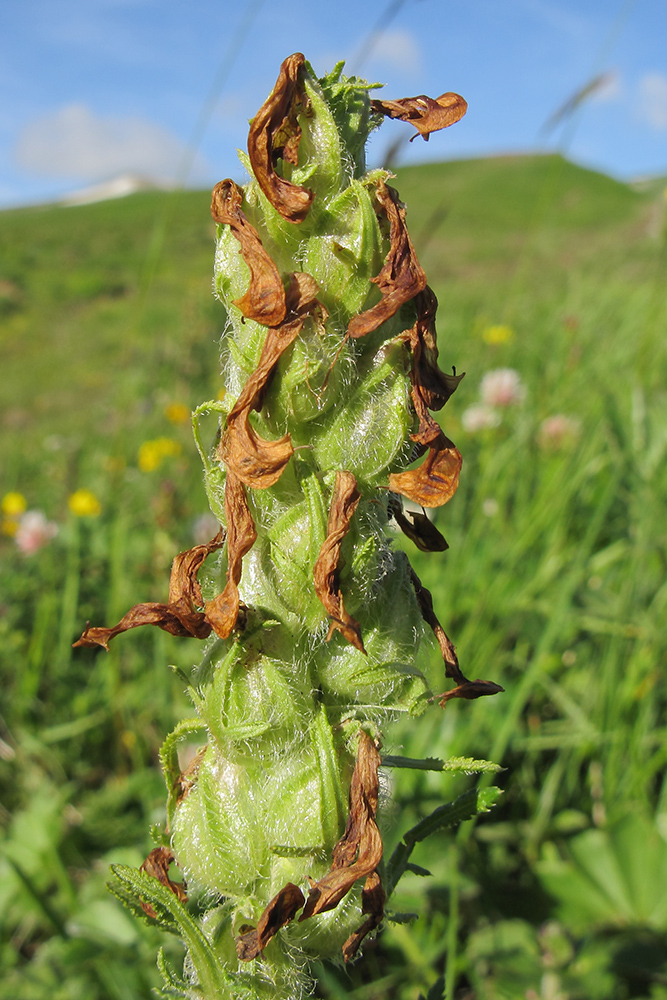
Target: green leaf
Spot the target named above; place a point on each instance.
(174, 986)
(418, 870)
(401, 918)
(471, 803)
(437, 991)
(468, 765)
(215, 983)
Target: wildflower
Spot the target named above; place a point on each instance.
(177, 413)
(84, 503)
(13, 504)
(499, 334)
(311, 613)
(490, 507)
(33, 532)
(152, 453)
(558, 432)
(479, 418)
(502, 387)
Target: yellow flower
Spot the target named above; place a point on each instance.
(499, 334)
(177, 413)
(13, 504)
(9, 526)
(84, 503)
(152, 453)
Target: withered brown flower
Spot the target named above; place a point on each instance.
(275, 134)
(264, 301)
(344, 502)
(426, 114)
(401, 276)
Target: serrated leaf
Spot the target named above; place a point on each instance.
(174, 986)
(469, 765)
(130, 900)
(213, 980)
(470, 804)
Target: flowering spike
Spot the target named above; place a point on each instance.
(330, 364)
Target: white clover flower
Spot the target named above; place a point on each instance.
(34, 532)
(479, 418)
(502, 387)
(558, 431)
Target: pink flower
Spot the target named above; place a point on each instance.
(558, 431)
(479, 418)
(34, 531)
(502, 387)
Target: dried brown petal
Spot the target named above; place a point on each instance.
(278, 912)
(425, 601)
(470, 690)
(417, 526)
(427, 115)
(264, 301)
(464, 688)
(401, 276)
(344, 502)
(223, 611)
(157, 865)
(359, 851)
(373, 899)
(435, 481)
(274, 134)
(433, 385)
(180, 616)
(257, 462)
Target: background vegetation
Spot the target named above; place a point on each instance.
(554, 584)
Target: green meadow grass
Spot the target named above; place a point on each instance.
(553, 586)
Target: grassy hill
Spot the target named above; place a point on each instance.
(553, 585)
(106, 307)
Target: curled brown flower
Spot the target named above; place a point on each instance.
(359, 851)
(356, 855)
(419, 529)
(435, 481)
(464, 688)
(180, 616)
(264, 300)
(401, 276)
(344, 502)
(430, 383)
(280, 911)
(223, 611)
(275, 134)
(257, 462)
(426, 114)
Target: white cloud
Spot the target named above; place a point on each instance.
(398, 49)
(653, 100)
(77, 143)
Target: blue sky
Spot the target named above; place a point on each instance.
(91, 89)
